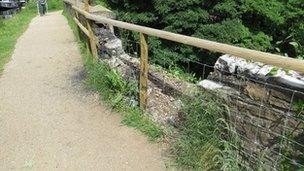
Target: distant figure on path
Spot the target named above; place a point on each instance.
(41, 4)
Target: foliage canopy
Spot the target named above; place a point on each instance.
(275, 26)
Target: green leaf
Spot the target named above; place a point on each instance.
(294, 44)
(273, 71)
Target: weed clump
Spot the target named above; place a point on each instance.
(205, 141)
(198, 141)
(121, 96)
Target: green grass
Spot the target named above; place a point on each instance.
(205, 141)
(120, 95)
(54, 5)
(11, 30)
(199, 144)
(179, 73)
(199, 138)
(102, 3)
(115, 91)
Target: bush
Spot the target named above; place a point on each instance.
(254, 24)
(55, 5)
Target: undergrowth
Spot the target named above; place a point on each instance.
(205, 141)
(179, 73)
(121, 96)
(199, 145)
(115, 91)
(199, 138)
(54, 5)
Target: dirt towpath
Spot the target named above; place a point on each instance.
(48, 121)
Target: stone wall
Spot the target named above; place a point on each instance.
(164, 91)
(261, 98)
(264, 104)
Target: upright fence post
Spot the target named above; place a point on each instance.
(143, 77)
(91, 37)
(111, 28)
(86, 5)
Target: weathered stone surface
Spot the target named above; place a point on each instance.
(256, 70)
(261, 99)
(289, 81)
(101, 11)
(210, 84)
(163, 105)
(255, 91)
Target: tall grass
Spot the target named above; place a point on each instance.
(205, 141)
(11, 29)
(115, 91)
(199, 144)
(54, 5)
(199, 138)
(121, 96)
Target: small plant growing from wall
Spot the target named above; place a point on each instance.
(292, 148)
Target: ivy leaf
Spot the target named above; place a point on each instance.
(273, 72)
(294, 44)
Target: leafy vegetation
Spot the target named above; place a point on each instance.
(199, 139)
(205, 141)
(10, 30)
(275, 26)
(114, 90)
(291, 148)
(55, 5)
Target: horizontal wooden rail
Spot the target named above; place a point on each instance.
(85, 31)
(82, 28)
(97, 8)
(267, 58)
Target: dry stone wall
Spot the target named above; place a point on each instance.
(264, 102)
(164, 91)
(261, 98)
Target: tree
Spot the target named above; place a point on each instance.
(275, 26)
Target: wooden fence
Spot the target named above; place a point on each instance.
(248, 54)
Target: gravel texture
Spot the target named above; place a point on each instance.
(49, 121)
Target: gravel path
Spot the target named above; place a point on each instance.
(48, 121)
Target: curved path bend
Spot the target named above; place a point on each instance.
(48, 121)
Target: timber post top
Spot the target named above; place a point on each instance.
(97, 9)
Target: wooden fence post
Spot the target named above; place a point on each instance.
(111, 28)
(86, 5)
(91, 34)
(144, 70)
(92, 40)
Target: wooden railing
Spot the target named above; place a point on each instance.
(248, 54)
